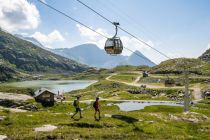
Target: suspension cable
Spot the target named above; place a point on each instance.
(64, 14)
(124, 30)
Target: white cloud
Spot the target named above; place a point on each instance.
(23, 34)
(90, 35)
(18, 15)
(48, 40)
(128, 42)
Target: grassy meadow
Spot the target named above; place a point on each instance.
(153, 122)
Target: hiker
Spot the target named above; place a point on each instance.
(62, 97)
(96, 106)
(76, 104)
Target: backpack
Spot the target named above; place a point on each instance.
(94, 104)
(75, 103)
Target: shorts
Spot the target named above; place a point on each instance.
(78, 110)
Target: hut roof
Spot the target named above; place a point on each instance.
(40, 91)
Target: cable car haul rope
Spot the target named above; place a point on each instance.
(114, 45)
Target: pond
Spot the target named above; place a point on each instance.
(54, 85)
(132, 106)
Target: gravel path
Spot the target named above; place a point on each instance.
(136, 84)
(197, 93)
(196, 89)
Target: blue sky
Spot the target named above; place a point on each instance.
(179, 28)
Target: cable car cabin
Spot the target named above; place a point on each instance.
(113, 46)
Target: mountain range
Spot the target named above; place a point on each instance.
(32, 40)
(92, 55)
(18, 55)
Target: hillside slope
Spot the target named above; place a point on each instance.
(25, 56)
(178, 65)
(206, 56)
(137, 58)
(6, 72)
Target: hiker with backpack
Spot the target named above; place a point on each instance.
(76, 104)
(96, 106)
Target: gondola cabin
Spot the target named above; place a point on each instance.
(113, 46)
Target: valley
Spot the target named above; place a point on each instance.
(151, 122)
(138, 98)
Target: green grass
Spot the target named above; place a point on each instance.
(104, 89)
(18, 90)
(166, 109)
(125, 77)
(21, 125)
(152, 123)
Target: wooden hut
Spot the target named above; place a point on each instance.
(44, 96)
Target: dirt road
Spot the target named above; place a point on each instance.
(136, 84)
(196, 89)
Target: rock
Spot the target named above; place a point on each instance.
(2, 118)
(195, 120)
(190, 117)
(172, 117)
(108, 115)
(162, 94)
(156, 115)
(149, 121)
(71, 113)
(110, 104)
(45, 128)
(3, 137)
(114, 94)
